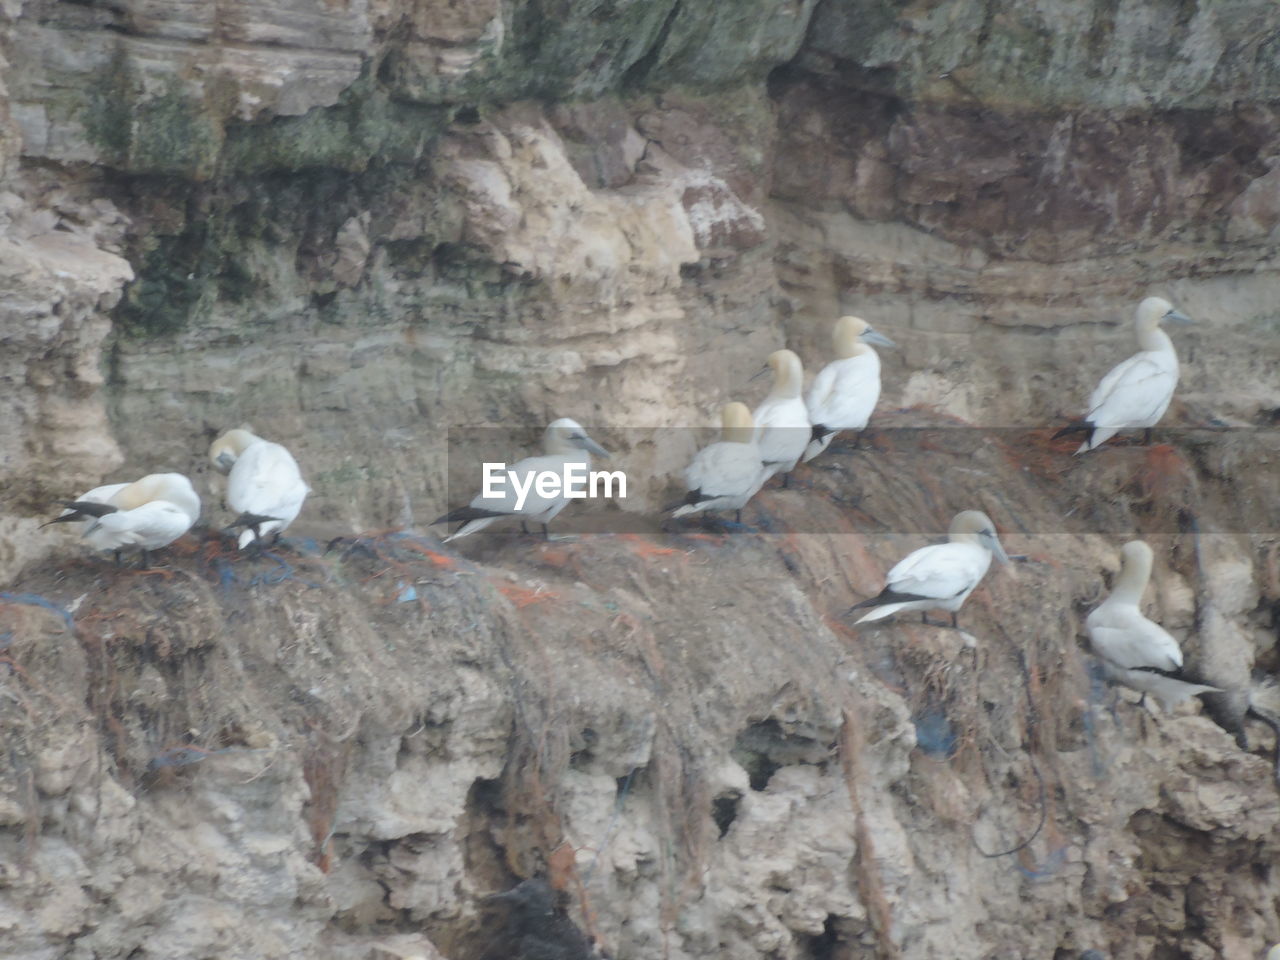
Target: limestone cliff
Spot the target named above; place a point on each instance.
(372, 228)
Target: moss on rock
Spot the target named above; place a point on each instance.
(365, 124)
(162, 128)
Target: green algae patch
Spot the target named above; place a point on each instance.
(255, 244)
(579, 51)
(175, 133)
(708, 45)
(162, 127)
(174, 280)
(365, 124)
(108, 117)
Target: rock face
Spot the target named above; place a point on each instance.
(399, 235)
(57, 286)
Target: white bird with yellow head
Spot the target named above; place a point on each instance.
(264, 485)
(941, 576)
(149, 513)
(1137, 392)
(845, 392)
(727, 473)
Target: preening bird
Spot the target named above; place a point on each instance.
(782, 421)
(727, 473)
(1137, 392)
(843, 395)
(941, 576)
(149, 513)
(1132, 649)
(264, 485)
(566, 443)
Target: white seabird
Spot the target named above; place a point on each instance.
(566, 443)
(782, 421)
(1137, 392)
(149, 513)
(727, 473)
(845, 392)
(264, 485)
(1132, 649)
(941, 576)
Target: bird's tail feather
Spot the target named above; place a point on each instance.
(821, 439)
(471, 526)
(468, 513)
(691, 499)
(251, 520)
(878, 613)
(888, 596)
(886, 603)
(1075, 426)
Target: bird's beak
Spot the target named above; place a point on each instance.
(592, 447)
(877, 338)
(998, 550)
(763, 371)
(1177, 317)
(225, 462)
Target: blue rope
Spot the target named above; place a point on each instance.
(35, 600)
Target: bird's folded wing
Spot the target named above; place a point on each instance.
(1135, 391)
(534, 503)
(1136, 646)
(854, 390)
(939, 571)
(148, 523)
(822, 392)
(724, 470)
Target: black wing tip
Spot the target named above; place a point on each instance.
(468, 513)
(691, 499)
(1076, 426)
(820, 432)
(1178, 675)
(886, 596)
(252, 520)
(82, 509)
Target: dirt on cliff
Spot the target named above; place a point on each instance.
(373, 231)
(678, 728)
